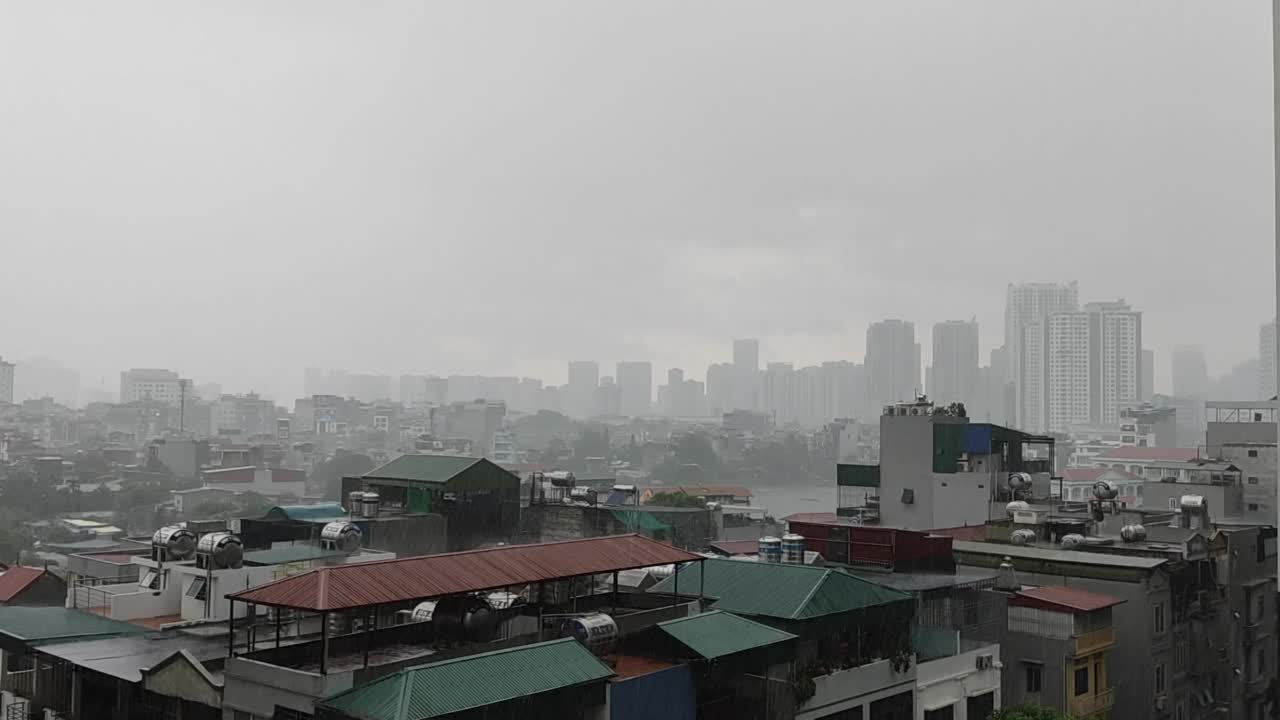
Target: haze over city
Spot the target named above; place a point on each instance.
(502, 188)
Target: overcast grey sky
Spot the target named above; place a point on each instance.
(238, 189)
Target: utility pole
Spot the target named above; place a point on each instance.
(1275, 129)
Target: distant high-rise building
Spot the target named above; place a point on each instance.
(154, 385)
(635, 388)
(580, 394)
(955, 362)
(6, 381)
(720, 388)
(1148, 390)
(43, 377)
(1267, 361)
(1189, 371)
(746, 375)
(892, 362)
(1091, 366)
(1027, 304)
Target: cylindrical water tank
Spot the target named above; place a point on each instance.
(1022, 537)
(1072, 540)
(1016, 506)
(1019, 481)
(1191, 502)
(793, 549)
(355, 502)
(1106, 490)
(177, 542)
(223, 549)
(769, 549)
(423, 611)
(369, 506)
(342, 536)
(1133, 533)
(598, 632)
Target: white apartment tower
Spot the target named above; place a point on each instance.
(6, 381)
(153, 385)
(1029, 304)
(955, 362)
(581, 390)
(892, 362)
(1089, 363)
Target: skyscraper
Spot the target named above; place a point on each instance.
(1267, 361)
(1025, 304)
(581, 390)
(1091, 366)
(635, 388)
(746, 373)
(6, 381)
(1148, 389)
(955, 362)
(892, 362)
(1190, 372)
(720, 388)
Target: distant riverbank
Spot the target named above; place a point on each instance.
(783, 501)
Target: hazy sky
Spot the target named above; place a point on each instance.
(238, 189)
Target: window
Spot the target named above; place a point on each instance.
(1259, 607)
(1253, 453)
(1173, 503)
(1253, 479)
(1035, 676)
(1260, 662)
(1158, 617)
(198, 589)
(1082, 680)
(981, 706)
(1180, 711)
(285, 713)
(1253, 506)
(942, 713)
(150, 580)
(853, 713)
(896, 707)
(1159, 679)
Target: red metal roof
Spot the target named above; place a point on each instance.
(343, 587)
(1057, 597)
(1094, 473)
(1151, 454)
(16, 579)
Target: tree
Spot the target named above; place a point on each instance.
(675, 499)
(1028, 712)
(215, 509)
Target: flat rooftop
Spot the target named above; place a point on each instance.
(1029, 552)
(911, 582)
(126, 657)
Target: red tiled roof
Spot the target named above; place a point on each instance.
(1057, 597)
(343, 587)
(16, 579)
(1092, 474)
(1150, 453)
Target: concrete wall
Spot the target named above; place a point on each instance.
(952, 680)
(906, 462)
(1260, 468)
(257, 688)
(857, 687)
(221, 582)
(960, 499)
(1225, 501)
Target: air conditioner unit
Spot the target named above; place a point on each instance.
(986, 662)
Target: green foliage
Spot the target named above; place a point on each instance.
(674, 499)
(1028, 712)
(214, 509)
(955, 409)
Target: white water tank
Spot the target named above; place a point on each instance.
(598, 632)
(1072, 540)
(769, 549)
(1015, 507)
(340, 535)
(173, 542)
(220, 550)
(369, 505)
(793, 549)
(1022, 537)
(1133, 533)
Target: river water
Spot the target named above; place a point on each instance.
(784, 501)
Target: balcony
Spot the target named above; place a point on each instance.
(1095, 641)
(836, 687)
(1091, 706)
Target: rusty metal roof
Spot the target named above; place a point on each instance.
(344, 587)
(1058, 597)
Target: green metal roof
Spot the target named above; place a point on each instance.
(288, 554)
(436, 689)
(324, 512)
(636, 520)
(46, 625)
(423, 468)
(716, 634)
(788, 592)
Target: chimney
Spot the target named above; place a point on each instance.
(1006, 579)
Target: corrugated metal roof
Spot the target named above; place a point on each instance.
(42, 625)
(1060, 597)
(716, 634)
(16, 579)
(789, 592)
(423, 468)
(443, 688)
(288, 554)
(375, 583)
(1031, 552)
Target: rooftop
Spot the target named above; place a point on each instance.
(736, 547)
(789, 592)
(707, 490)
(1151, 454)
(422, 468)
(16, 579)
(282, 554)
(913, 582)
(44, 625)
(1094, 473)
(321, 513)
(1058, 597)
(443, 688)
(716, 634)
(1054, 555)
(125, 657)
(374, 583)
